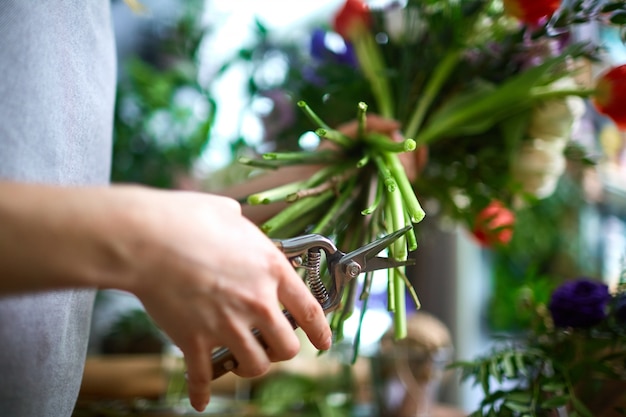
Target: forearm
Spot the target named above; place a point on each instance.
(55, 237)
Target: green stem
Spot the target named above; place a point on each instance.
(377, 199)
(302, 158)
(284, 191)
(362, 119)
(384, 143)
(412, 205)
(312, 115)
(545, 93)
(335, 136)
(385, 173)
(411, 239)
(332, 214)
(441, 73)
(296, 210)
(396, 210)
(276, 194)
(399, 316)
(371, 63)
(391, 283)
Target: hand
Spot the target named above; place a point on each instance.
(413, 162)
(207, 276)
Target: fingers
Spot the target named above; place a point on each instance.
(306, 310)
(199, 374)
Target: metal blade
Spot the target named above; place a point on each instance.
(378, 262)
(369, 251)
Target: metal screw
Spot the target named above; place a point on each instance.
(353, 269)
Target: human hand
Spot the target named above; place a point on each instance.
(413, 162)
(207, 276)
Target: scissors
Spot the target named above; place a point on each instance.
(305, 251)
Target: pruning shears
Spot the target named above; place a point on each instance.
(305, 251)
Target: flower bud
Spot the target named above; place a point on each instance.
(493, 226)
(610, 96)
(531, 11)
(353, 18)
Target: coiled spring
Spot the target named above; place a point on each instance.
(313, 268)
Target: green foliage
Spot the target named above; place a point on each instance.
(163, 116)
(283, 395)
(546, 368)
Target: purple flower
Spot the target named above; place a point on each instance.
(330, 47)
(579, 303)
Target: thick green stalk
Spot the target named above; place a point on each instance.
(371, 64)
(411, 203)
(276, 194)
(335, 136)
(296, 210)
(438, 78)
(399, 316)
(384, 143)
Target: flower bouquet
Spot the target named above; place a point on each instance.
(573, 358)
(487, 88)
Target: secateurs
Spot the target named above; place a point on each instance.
(306, 251)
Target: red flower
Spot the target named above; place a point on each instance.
(353, 18)
(610, 96)
(494, 225)
(531, 11)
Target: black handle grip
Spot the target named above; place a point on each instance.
(223, 360)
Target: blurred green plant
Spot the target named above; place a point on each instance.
(163, 116)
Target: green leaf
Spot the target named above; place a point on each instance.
(459, 117)
(494, 370)
(507, 363)
(555, 402)
(520, 408)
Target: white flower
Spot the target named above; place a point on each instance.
(403, 24)
(556, 118)
(538, 165)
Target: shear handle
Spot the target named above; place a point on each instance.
(299, 245)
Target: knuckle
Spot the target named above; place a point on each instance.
(310, 313)
(290, 349)
(253, 369)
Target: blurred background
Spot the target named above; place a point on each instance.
(198, 85)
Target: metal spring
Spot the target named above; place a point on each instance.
(313, 260)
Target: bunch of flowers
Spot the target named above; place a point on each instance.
(573, 357)
(486, 88)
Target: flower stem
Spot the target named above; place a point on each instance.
(441, 73)
(383, 143)
(371, 62)
(296, 210)
(292, 158)
(312, 115)
(411, 203)
(335, 136)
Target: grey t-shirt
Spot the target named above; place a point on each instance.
(57, 89)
